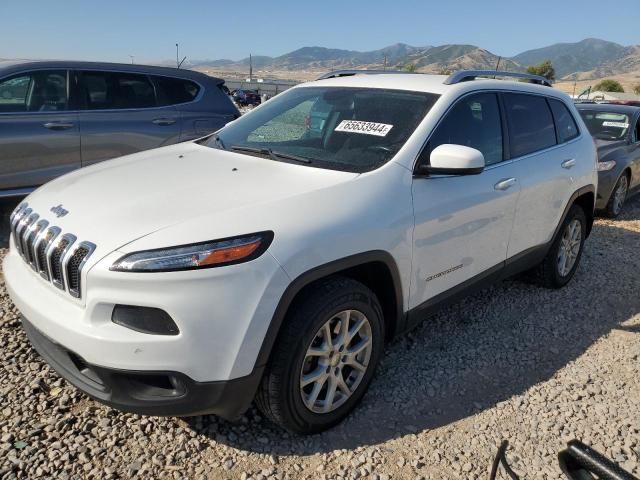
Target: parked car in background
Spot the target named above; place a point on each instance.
(273, 260)
(246, 97)
(616, 131)
(59, 116)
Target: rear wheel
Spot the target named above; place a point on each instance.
(562, 260)
(325, 357)
(618, 197)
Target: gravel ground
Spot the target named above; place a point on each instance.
(516, 362)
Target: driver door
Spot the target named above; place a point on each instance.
(463, 223)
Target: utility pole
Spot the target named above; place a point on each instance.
(575, 82)
(385, 61)
(250, 68)
(131, 59)
(178, 61)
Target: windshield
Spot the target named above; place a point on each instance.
(606, 125)
(349, 129)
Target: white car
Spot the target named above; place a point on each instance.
(274, 259)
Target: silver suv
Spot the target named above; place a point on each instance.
(59, 116)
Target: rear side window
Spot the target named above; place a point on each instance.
(40, 91)
(114, 91)
(473, 122)
(531, 126)
(565, 123)
(172, 91)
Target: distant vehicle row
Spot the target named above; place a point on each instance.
(58, 116)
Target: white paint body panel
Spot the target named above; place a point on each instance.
(187, 193)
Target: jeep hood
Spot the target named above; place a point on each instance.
(116, 202)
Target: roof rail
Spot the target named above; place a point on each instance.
(349, 73)
(466, 75)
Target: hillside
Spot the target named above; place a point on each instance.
(584, 60)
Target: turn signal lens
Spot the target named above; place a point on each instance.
(200, 255)
(606, 166)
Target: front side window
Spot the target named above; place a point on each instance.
(40, 91)
(531, 126)
(565, 123)
(350, 129)
(611, 126)
(112, 91)
(173, 91)
(473, 122)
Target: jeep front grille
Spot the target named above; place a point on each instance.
(56, 257)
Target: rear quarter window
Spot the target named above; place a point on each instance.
(565, 123)
(173, 91)
(531, 126)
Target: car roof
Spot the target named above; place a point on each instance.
(609, 107)
(15, 66)
(420, 82)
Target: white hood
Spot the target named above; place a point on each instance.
(116, 202)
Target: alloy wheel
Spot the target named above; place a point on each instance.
(336, 361)
(620, 195)
(570, 245)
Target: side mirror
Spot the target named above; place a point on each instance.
(450, 159)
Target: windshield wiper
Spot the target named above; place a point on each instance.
(267, 151)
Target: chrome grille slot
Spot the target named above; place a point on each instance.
(20, 223)
(32, 235)
(74, 266)
(42, 245)
(57, 258)
(28, 224)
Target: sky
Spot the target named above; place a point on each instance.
(114, 30)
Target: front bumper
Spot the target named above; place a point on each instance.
(222, 314)
(147, 392)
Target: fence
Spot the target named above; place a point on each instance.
(267, 87)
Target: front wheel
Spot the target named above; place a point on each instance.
(324, 358)
(562, 260)
(618, 197)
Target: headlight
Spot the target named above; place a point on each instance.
(216, 253)
(606, 166)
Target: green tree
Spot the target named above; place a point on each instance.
(410, 67)
(544, 69)
(608, 85)
(636, 89)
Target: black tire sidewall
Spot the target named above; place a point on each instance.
(305, 420)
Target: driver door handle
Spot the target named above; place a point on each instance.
(163, 121)
(568, 163)
(505, 184)
(58, 125)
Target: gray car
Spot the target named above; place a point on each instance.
(616, 131)
(58, 116)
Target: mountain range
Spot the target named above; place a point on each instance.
(589, 58)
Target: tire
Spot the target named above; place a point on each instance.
(281, 396)
(618, 197)
(550, 273)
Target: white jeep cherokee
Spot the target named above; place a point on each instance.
(274, 259)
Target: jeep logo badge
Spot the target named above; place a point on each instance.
(59, 211)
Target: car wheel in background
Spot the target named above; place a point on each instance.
(562, 260)
(324, 358)
(618, 197)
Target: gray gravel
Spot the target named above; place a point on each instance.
(515, 362)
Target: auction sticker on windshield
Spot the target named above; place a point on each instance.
(367, 128)
(615, 124)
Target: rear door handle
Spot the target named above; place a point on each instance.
(58, 125)
(505, 184)
(568, 163)
(163, 121)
